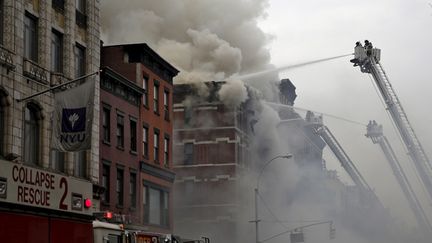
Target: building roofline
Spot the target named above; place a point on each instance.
(150, 51)
(111, 73)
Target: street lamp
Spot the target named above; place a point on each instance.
(287, 156)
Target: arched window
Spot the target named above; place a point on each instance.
(57, 158)
(32, 125)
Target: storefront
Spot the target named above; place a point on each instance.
(39, 206)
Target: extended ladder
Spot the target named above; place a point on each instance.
(371, 64)
(338, 151)
(375, 133)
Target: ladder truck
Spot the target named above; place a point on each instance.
(368, 59)
(375, 133)
(320, 129)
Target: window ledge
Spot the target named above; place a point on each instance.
(120, 148)
(106, 143)
(133, 152)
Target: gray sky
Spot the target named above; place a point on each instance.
(314, 29)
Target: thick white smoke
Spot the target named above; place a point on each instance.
(206, 40)
(205, 57)
(233, 93)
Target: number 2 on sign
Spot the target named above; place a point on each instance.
(63, 183)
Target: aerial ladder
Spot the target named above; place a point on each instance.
(375, 133)
(368, 59)
(320, 129)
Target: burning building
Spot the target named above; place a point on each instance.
(212, 152)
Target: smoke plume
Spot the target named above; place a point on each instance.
(206, 40)
(233, 93)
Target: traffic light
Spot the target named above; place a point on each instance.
(108, 215)
(297, 236)
(332, 233)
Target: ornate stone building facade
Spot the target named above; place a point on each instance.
(44, 43)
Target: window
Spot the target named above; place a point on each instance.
(166, 151)
(58, 5)
(80, 13)
(188, 111)
(58, 160)
(30, 37)
(156, 145)
(132, 190)
(145, 94)
(156, 99)
(79, 56)
(156, 206)
(166, 105)
(145, 141)
(188, 153)
(1, 21)
(120, 131)
(133, 135)
(165, 208)
(106, 124)
(106, 183)
(145, 204)
(80, 5)
(32, 118)
(113, 238)
(119, 187)
(56, 52)
(80, 165)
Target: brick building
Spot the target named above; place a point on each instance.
(211, 153)
(119, 118)
(152, 119)
(44, 43)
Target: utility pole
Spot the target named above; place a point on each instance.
(287, 156)
(256, 216)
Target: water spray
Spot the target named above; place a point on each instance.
(318, 112)
(278, 69)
